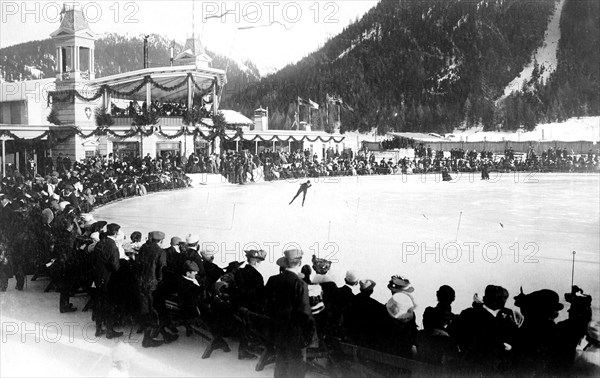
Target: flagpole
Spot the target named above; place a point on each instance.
(327, 110)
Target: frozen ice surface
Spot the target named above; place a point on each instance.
(515, 230)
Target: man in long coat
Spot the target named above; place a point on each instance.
(291, 318)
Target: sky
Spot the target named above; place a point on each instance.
(269, 33)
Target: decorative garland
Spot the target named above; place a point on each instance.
(63, 96)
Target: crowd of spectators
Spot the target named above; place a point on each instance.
(237, 166)
(162, 109)
(74, 188)
(46, 221)
(130, 281)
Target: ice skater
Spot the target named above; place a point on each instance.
(303, 189)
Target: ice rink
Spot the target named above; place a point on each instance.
(515, 230)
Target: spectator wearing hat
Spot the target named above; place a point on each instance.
(213, 272)
(189, 290)
(533, 347)
(106, 263)
(250, 293)
(175, 261)
(322, 277)
(587, 359)
(485, 332)
(434, 344)
(343, 300)
(571, 331)
(292, 323)
(152, 260)
(364, 317)
(192, 253)
(445, 296)
(401, 325)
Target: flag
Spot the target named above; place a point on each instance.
(313, 104)
(302, 101)
(347, 107)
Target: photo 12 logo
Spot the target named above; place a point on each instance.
(53, 12)
(454, 252)
(286, 13)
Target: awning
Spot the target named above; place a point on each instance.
(291, 136)
(421, 137)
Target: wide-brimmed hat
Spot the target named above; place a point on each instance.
(289, 256)
(256, 254)
(400, 284)
(320, 266)
(541, 300)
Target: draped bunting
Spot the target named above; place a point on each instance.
(293, 138)
(185, 130)
(63, 96)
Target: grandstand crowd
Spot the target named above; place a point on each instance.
(162, 109)
(163, 288)
(237, 166)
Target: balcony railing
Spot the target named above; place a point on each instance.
(162, 121)
(70, 75)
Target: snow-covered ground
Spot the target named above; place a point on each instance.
(545, 55)
(572, 130)
(515, 230)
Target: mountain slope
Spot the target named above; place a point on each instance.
(114, 54)
(429, 65)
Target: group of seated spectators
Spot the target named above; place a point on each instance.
(161, 109)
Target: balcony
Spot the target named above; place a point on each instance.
(162, 121)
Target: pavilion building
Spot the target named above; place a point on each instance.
(74, 113)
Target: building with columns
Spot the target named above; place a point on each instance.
(81, 115)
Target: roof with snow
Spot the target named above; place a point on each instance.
(432, 137)
(235, 118)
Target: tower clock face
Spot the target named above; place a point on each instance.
(88, 112)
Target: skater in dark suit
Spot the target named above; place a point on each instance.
(291, 318)
(303, 189)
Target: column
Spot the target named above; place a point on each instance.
(256, 147)
(75, 58)
(190, 93)
(289, 145)
(3, 157)
(148, 96)
(91, 62)
(58, 59)
(16, 159)
(215, 99)
(237, 146)
(273, 145)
